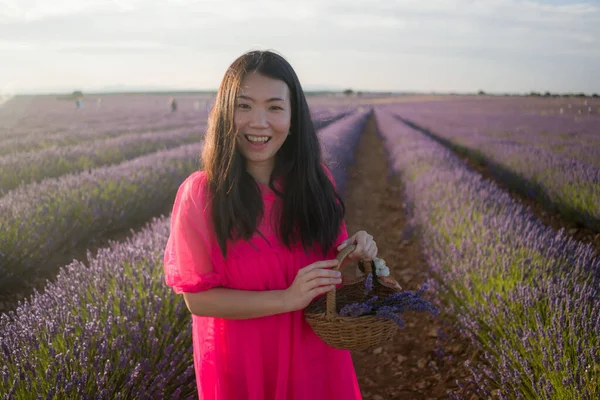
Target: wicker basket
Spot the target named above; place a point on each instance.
(352, 333)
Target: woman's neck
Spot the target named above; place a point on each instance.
(260, 172)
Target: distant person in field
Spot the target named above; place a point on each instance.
(254, 236)
(173, 104)
(79, 103)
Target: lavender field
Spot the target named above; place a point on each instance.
(525, 295)
(551, 157)
(522, 293)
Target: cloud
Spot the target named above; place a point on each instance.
(525, 33)
(334, 25)
(6, 45)
(33, 10)
(126, 47)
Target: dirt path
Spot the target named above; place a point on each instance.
(409, 367)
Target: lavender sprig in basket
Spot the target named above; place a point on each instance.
(389, 307)
(346, 318)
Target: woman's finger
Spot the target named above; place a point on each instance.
(370, 251)
(320, 290)
(373, 251)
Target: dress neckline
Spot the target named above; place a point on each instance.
(266, 191)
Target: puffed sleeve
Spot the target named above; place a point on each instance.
(343, 232)
(187, 262)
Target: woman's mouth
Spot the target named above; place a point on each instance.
(257, 141)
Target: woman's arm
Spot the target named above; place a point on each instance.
(310, 281)
(236, 304)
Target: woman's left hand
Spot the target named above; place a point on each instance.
(366, 248)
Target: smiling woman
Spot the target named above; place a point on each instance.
(253, 238)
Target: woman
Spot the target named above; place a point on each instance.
(253, 238)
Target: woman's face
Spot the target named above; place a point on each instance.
(262, 120)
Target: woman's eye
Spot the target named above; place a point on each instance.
(276, 108)
(242, 105)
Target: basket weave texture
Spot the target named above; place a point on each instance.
(352, 333)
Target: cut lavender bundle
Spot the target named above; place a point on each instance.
(357, 309)
(390, 306)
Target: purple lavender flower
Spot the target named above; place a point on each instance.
(391, 313)
(359, 308)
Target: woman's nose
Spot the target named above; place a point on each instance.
(259, 118)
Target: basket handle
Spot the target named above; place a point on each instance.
(340, 257)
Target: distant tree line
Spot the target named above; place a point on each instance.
(548, 94)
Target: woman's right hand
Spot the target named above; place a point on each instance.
(311, 281)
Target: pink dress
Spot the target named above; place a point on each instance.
(277, 357)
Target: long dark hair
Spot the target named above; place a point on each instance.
(312, 210)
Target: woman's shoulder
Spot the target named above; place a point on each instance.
(196, 179)
(194, 186)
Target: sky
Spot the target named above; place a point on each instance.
(460, 46)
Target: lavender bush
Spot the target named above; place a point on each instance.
(322, 117)
(21, 168)
(525, 295)
(83, 132)
(339, 141)
(58, 214)
(112, 330)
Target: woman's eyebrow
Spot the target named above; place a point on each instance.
(243, 96)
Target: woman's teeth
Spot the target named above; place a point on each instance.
(258, 139)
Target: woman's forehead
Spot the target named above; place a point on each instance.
(258, 87)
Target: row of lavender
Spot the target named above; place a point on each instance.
(525, 295)
(88, 133)
(110, 330)
(561, 134)
(43, 218)
(339, 141)
(569, 185)
(45, 115)
(114, 329)
(22, 168)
